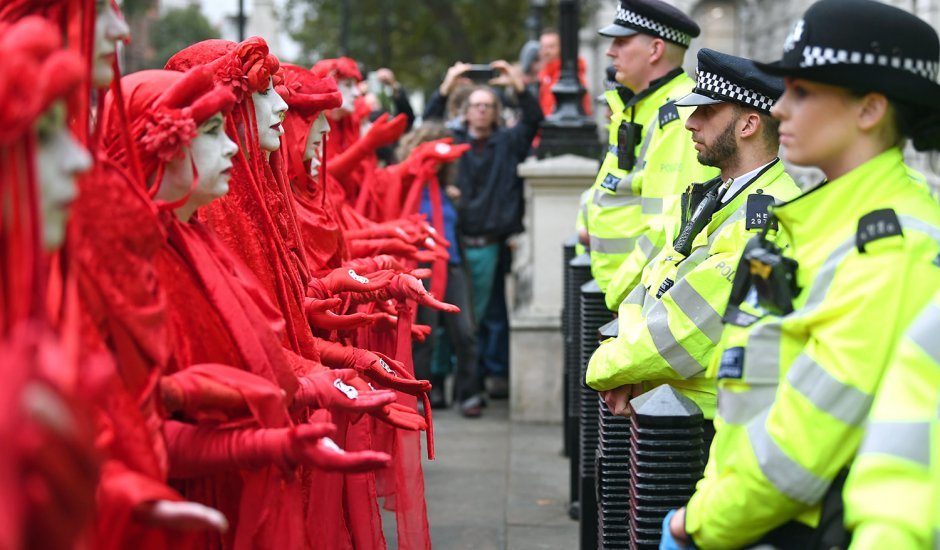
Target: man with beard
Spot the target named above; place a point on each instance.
(670, 323)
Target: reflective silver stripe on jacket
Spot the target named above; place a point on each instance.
(697, 309)
(901, 439)
(787, 475)
(637, 296)
(842, 401)
(612, 246)
(761, 371)
(924, 333)
(762, 355)
(607, 200)
(646, 245)
(651, 205)
(666, 344)
(739, 408)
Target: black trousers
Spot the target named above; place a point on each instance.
(461, 330)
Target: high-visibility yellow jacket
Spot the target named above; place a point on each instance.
(626, 205)
(892, 496)
(670, 338)
(794, 390)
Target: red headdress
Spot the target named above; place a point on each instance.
(339, 68)
(246, 67)
(307, 95)
(164, 110)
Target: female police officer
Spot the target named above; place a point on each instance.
(810, 330)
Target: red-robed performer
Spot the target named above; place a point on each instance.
(219, 314)
(246, 217)
(48, 467)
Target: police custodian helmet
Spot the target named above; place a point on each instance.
(652, 17)
(865, 46)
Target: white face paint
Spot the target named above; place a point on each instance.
(110, 29)
(212, 151)
(321, 127)
(350, 90)
(269, 114)
(61, 158)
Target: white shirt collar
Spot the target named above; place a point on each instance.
(743, 181)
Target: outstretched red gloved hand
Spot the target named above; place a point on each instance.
(195, 451)
(331, 321)
(181, 515)
(382, 132)
(344, 279)
(341, 389)
(370, 247)
(406, 287)
(378, 367)
(315, 305)
(420, 332)
(375, 263)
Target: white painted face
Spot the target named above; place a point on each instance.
(61, 158)
(269, 114)
(110, 29)
(212, 151)
(350, 90)
(321, 127)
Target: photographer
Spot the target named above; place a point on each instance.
(491, 203)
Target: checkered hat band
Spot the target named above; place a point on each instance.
(717, 85)
(628, 18)
(817, 56)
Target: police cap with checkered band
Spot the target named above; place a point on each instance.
(865, 46)
(652, 17)
(727, 78)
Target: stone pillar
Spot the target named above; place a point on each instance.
(552, 192)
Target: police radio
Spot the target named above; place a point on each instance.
(628, 137)
(763, 275)
(698, 209)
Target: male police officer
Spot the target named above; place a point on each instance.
(650, 158)
(670, 322)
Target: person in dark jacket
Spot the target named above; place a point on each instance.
(490, 206)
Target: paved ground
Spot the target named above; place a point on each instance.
(496, 485)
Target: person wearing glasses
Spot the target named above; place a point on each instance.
(490, 204)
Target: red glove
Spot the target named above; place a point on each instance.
(406, 287)
(375, 263)
(332, 321)
(198, 396)
(196, 451)
(344, 279)
(420, 332)
(420, 273)
(385, 371)
(341, 389)
(327, 455)
(314, 305)
(402, 417)
(382, 132)
(371, 247)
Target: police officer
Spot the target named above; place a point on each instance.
(811, 329)
(892, 496)
(650, 159)
(670, 323)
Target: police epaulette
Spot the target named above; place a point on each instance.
(757, 211)
(668, 113)
(877, 224)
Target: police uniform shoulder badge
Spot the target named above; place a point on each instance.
(668, 113)
(877, 224)
(757, 213)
